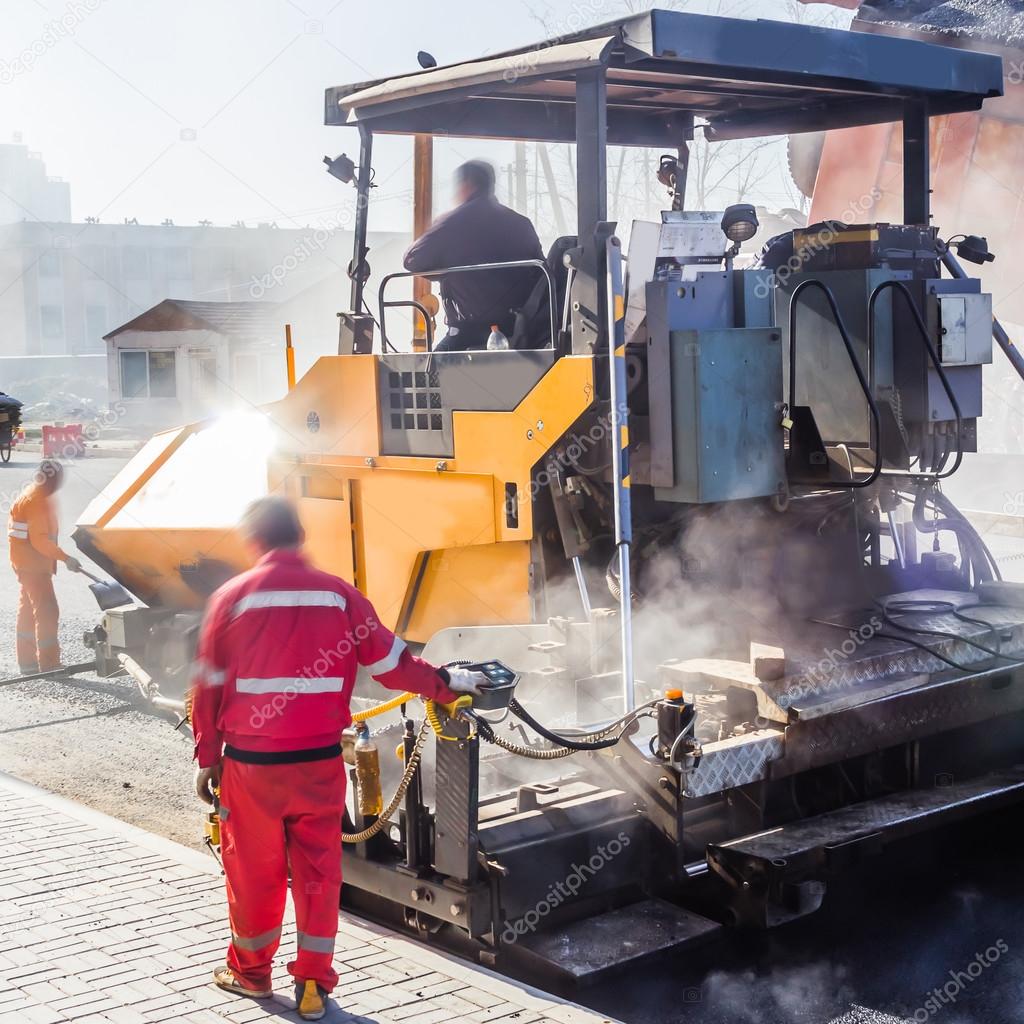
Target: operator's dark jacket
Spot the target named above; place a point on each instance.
(481, 230)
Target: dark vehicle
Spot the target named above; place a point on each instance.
(10, 424)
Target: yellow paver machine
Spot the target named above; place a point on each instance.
(698, 511)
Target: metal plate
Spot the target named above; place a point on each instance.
(727, 439)
(807, 843)
(586, 949)
(950, 702)
(735, 762)
(829, 670)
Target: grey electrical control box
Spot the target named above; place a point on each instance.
(959, 321)
(963, 325)
(726, 415)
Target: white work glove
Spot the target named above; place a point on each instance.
(461, 680)
(207, 780)
(72, 564)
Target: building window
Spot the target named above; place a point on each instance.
(135, 263)
(206, 376)
(52, 321)
(148, 374)
(49, 263)
(95, 326)
(94, 259)
(245, 376)
(178, 260)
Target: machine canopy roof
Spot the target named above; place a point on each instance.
(665, 68)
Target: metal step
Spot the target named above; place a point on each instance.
(776, 874)
(586, 950)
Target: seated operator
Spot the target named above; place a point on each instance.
(478, 230)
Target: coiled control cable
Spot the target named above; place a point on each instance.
(564, 745)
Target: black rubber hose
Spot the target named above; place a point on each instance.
(935, 608)
(991, 627)
(901, 639)
(921, 498)
(520, 712)
(487, 732)
(970, 541)
(946, 505)
(483, 727)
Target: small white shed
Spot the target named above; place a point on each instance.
(183, 360)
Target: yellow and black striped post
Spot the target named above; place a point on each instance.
(620, 456)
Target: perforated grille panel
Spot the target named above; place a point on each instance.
(418, 393)
(414, 401)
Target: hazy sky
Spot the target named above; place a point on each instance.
(194, 109)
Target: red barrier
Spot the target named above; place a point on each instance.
(63, 441)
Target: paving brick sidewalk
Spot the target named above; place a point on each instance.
(102, 923)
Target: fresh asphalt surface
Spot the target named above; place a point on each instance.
(886, 938)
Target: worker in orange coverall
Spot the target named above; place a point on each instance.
(32, 535)
(277, 660)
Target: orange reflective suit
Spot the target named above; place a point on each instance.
(32, 534)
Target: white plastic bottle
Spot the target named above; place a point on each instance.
(497, 342)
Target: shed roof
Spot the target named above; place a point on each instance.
(256, 320)
(664, 68)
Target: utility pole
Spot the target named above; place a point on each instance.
(422, 216)
(556, 200)
(522, 203)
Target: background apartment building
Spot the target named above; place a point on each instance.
(65, 284)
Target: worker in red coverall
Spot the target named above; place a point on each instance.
(277, 660)
(32, 536)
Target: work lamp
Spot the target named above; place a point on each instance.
(740, 223)
(975, 249)
(342, 167)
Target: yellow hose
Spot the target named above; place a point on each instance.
(435, 722)
(396, 702)
(380, 709)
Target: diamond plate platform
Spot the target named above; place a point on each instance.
(830, 669)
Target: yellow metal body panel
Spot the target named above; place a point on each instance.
(168, 568)
(164, 526)
(328, 526)
(430, 544)
(483, 584)
(133, 477)
(341, 392)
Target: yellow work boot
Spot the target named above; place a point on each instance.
(226, 979)
(310, 1000)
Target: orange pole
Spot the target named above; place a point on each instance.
(289, 355)
(422, 215)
